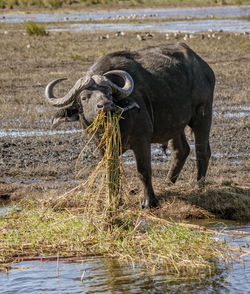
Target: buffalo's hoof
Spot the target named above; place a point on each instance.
(150, 203)
(169, 183)
(200, 184)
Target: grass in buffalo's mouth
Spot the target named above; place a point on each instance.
(106, 178)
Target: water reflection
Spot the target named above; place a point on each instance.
(99, 276)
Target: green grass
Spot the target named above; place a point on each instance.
(245, 45)
(34, 29)
(36, 229)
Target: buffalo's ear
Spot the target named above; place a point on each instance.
(58, 118)
(73, 117)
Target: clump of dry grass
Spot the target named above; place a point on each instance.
(106, 178)
(223, 200)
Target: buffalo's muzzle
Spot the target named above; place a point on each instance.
(109, 106)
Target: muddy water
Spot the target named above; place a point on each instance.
(99, 275)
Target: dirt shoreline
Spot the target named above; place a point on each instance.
(43, 166)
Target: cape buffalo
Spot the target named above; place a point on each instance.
(162, 89)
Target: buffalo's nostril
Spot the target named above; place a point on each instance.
(108, 106)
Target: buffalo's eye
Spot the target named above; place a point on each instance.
(85, 95)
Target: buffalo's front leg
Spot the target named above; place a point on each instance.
(142, 153)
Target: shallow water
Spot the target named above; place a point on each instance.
(240, 114)
(172, 13)
(232, 112)
(99, 275)
(206, 14)
(15, 133)
(193, 26)
(158, 156)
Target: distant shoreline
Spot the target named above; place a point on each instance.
(7, 6)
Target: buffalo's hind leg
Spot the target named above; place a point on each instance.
(142, 153)
(179, 152)
(203, 153)
(201, 128)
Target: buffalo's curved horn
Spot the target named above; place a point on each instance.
(70, 96)
(128, 87)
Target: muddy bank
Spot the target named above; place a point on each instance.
(43, 165)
